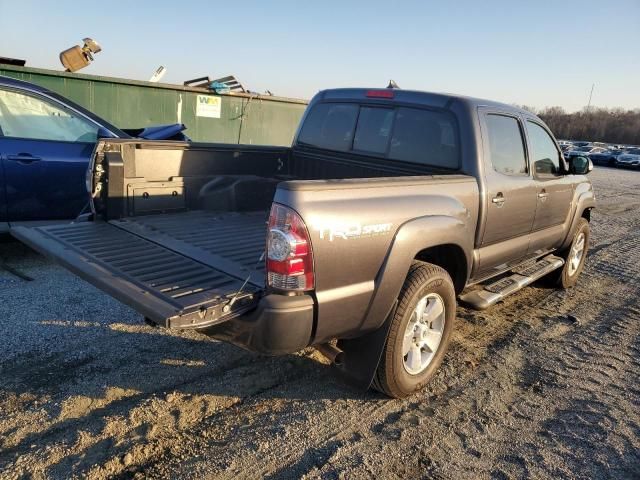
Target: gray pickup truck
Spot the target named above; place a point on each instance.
(358, 240)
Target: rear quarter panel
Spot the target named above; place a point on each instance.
(355, 225)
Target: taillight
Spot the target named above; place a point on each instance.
(289, 255)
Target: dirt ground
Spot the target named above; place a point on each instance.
(546, 385)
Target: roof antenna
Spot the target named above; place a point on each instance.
(392, 84)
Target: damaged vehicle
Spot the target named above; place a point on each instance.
(46, 142)
(389, 207)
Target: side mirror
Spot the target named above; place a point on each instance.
(580, 165)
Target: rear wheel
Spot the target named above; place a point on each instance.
(420, 331)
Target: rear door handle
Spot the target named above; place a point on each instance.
(498, 199)
(542, 195)
(23, 158)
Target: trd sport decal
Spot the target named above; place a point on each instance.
(351, 230)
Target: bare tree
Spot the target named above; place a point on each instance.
(595, 124)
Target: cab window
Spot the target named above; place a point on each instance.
(373, 130)
(330, 125)
(544, 155)
(427, 137)
(506, 145)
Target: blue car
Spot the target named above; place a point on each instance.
(608, 157)
(45, 145)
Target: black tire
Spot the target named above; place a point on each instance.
(567, 277)
(391, 377)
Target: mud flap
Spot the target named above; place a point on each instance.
(362, 355)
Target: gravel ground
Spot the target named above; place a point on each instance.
(546, 385)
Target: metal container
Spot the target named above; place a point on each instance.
(228, 118)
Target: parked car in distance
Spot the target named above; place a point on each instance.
(356, 240)
(580, 143)
(583, 151)
(608, 157)
(566, 148)
(629, 159)
(46, 142)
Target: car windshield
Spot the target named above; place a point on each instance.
(583, 149)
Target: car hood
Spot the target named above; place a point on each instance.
(171, 131)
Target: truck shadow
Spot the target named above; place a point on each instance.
(119, 378)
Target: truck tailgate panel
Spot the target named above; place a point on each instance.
(170, 288)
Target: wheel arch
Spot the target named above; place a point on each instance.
(445, 241)
(451, 257)
(585, 203)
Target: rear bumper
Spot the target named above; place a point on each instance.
(279, 325)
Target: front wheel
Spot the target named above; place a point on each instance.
(574, 257)
(419, 333)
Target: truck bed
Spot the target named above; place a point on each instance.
(178, 230)
(185, 267)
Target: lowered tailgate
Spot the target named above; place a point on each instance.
(164, 284)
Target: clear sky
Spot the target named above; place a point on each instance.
(539, 53)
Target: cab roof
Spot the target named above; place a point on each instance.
(416, 97)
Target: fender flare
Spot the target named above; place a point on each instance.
(586, 200)
(410, 239)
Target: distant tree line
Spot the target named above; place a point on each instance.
(594, 124)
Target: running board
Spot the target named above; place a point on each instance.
(521, 277)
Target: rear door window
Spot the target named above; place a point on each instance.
(330, 126)
(506, 145)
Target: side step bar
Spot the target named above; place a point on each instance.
(491, 294)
